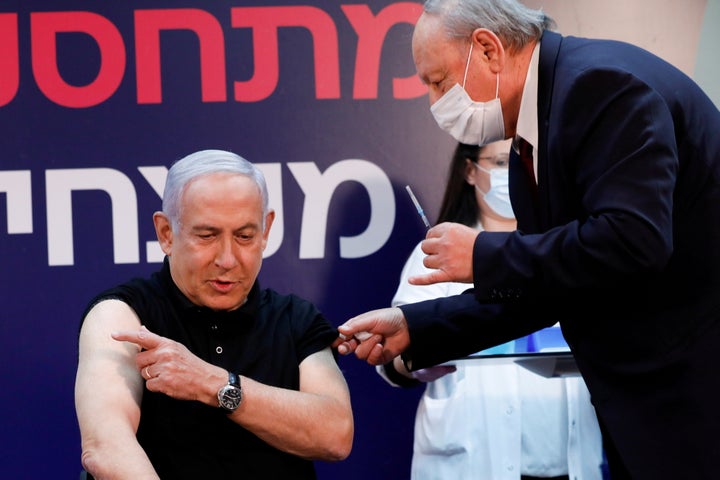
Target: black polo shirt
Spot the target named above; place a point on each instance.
(265, 339)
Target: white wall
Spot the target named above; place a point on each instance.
(685, 33)
(707, 67)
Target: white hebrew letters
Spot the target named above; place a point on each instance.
(16, 184)
(61, 183)
(155, 177)
(319, 187)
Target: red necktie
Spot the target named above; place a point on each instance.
(525, 151)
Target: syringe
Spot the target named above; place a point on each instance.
(417, 206)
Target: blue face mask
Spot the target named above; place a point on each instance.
(498, 197)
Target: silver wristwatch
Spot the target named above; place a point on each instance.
(230, 395)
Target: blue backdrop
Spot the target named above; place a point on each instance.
(97, 99)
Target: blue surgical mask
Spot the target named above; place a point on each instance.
(468, 121)
(498, 197)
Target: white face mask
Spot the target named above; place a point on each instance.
(468, 121)
(498, 197)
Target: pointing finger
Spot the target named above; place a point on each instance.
(143, 337)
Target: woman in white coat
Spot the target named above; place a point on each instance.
(491, 421)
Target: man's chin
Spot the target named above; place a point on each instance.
(224, 302)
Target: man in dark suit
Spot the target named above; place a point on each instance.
(617, 198)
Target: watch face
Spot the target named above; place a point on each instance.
(229, 397)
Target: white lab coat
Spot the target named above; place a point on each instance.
(469, 424)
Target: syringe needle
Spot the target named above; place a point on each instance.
(417, 206)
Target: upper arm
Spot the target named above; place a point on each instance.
(320, 374)
(108, 386)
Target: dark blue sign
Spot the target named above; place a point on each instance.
(97, 99)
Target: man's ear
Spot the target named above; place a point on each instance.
(164, 232)
(490, 48)
(269, 218)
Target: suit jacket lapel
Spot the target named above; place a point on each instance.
(549, 49)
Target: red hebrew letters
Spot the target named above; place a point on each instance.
(371, 32)
(10, 76)
(149, 23)
(45, 26)
(264, 21)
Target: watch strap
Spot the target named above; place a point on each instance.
(233, 379)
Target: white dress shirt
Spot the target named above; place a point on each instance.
(527, 125)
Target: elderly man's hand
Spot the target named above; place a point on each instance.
(449, 250)
(377, 336)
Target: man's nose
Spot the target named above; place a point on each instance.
(226, 257)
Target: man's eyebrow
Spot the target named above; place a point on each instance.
(248, 226)
(202, 226)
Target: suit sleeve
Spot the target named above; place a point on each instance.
(452, 327)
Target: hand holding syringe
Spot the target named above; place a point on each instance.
(359, 336)
(377, 336)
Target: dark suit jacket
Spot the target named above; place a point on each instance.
(621, 244)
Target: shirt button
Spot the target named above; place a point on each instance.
(213, 327)
(218, 349)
